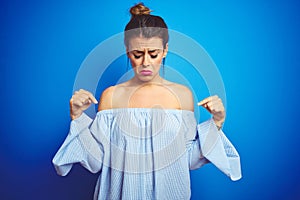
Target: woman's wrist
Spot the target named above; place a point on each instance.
(218, 123)
(75, 116)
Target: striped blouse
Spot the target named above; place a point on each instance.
(145, 153)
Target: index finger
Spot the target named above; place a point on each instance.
(206, 100)
(91, 97)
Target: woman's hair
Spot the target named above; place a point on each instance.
(143, 24)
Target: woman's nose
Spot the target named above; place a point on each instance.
(146, 61)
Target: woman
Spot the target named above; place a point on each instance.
(144, 139)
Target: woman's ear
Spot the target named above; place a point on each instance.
(166, 50)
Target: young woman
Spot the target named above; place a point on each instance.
(144, 139)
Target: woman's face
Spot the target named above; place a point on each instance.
(146, 55)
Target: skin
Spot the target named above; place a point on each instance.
(146, 89)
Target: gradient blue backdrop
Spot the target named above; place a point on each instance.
(254, 43)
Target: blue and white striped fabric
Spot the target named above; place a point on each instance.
(145, 153)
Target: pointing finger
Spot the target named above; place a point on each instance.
(90, 96)
(93, 99)
(206, 100)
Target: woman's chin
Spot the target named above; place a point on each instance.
(146, 79)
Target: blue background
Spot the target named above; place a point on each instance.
(255, 45)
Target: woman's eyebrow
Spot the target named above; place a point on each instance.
(138, 51)
(153, 50)
(142, 52)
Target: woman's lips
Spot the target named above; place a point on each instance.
(146, 72)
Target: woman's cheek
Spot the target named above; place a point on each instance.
(134, 62)
(158, 62)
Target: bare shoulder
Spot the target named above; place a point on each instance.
(112, 97)
(106, 98)
(184, 95)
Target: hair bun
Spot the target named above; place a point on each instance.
(139, 9)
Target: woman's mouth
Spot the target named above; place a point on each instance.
(146, 72)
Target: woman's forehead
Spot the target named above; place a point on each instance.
(141, 43)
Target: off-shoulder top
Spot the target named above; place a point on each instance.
(145, 153)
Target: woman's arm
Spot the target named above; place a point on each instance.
(211, 144)
(214, 146)
(80, 145)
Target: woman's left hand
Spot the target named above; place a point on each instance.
(215, 106)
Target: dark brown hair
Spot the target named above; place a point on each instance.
(143, 24)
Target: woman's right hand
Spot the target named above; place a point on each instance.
(80, 101)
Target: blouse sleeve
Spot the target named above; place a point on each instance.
(80, 146)
(211, 145)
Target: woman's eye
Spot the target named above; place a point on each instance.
(136, 56)
(154, 56)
